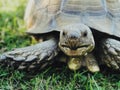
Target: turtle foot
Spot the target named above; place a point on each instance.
(43, 51)
(91, 63)
(111, 53)
(74, 63)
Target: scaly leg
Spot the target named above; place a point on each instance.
(110, 54)
(74, 63)
(91, 63)
(31, 56)
(88, 61)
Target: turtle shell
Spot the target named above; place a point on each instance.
(44, 16)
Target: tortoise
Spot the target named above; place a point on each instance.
(80, 33)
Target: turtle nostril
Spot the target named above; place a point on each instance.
(73, 37)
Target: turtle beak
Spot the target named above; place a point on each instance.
(77, 51)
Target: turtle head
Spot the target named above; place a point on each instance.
(76, 40)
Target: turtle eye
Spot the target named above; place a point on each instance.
(64, 33)
(85, 34)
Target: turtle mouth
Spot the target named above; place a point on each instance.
(75, 48)
(77, 51)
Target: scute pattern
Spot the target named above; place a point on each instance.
(80, 6)
(102, 15)
(113, 7)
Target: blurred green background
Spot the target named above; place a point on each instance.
(12, 35)
(12, 28)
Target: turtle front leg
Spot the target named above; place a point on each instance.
(74, 63)
(91, 63)
(39, 52)
(110, 54)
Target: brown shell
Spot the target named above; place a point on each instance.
(48, 15)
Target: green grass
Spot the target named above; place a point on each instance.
(12, 35)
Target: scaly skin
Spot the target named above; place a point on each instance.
(31, 56)
(110, 53)
(89, 61)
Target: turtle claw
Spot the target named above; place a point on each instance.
(111, 53)
(94, 69)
